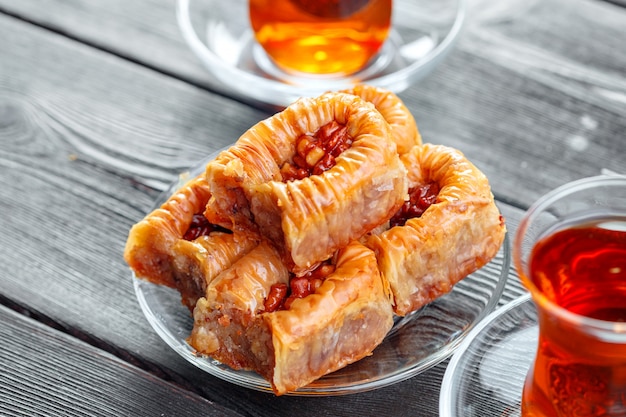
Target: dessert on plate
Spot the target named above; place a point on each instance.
(299, 243)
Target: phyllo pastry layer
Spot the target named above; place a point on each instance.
(404, 130)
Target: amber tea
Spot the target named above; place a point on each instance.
(570, 252)
(582, 269)
(321, 36)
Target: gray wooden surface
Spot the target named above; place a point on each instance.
(102, 104)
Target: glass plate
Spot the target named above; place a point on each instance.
(486, 375)
(218, 32)
(416, 342)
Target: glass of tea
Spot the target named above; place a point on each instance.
(337, 37)
(570, 252)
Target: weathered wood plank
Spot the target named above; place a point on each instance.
(48, 373)
(535, 93)
(144, 30)
(86, 140)
(526, 94)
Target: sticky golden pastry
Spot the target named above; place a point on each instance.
(452, 228)
(311, 178)
(403, 126)
(176, 246)
(296, 246)
(344, 318)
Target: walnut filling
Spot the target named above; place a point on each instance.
(420, 198)
(282, 295)
(316, 153)
(200, 226)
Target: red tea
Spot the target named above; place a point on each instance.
(321, 36)
(582, 269)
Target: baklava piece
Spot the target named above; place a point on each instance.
(448, 229)
(293, 330)
(176, 246)
(311, 178)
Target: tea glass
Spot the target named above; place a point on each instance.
(580, 364)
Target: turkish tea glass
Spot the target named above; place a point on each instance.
(570, 252)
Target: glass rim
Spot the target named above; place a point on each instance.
(601, 327)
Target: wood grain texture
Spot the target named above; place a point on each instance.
(53, 374)
(534, 92)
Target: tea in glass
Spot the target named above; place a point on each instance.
(570, 251)
(337, 37)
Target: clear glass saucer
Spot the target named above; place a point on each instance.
(416, 342)
(218, 32)
(485, 377)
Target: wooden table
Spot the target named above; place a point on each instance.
(102, 105)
